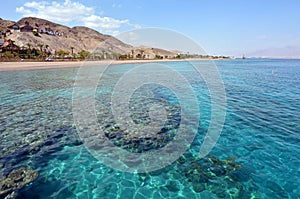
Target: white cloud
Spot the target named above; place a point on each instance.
(136, 26)
(69, 11)
(60, 12)
(106, 23)
(130, 37)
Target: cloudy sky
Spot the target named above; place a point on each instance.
(231, 27)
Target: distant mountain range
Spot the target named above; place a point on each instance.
(276, 52)
(37, 32)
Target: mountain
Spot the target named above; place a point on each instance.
(152, 53)
(4, 23)
(60, 37)
(34, 32)
(278, 52)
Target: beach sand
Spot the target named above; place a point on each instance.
(16, 66)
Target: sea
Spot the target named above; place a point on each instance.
(255, 155)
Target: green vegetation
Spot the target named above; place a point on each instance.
(158, 57)
(123, 57)
(72, 51)
(35, 32)
(41, 52)
(138, 56)
(83, 54)
(62, 53)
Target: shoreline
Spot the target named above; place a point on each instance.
(20, 66)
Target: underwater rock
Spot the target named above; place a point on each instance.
(218, 188)
(181, 160)
(16, 179)
(221, 178)
(173, 186)
(233, 192)
(76, 142)
(241, 175)
(197, 187)
(218, 170)
(215, 160)
(231, 164)
(196, 177)
(131, 139)
(143, 177)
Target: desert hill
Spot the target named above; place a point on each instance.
(36, 32)
(60, 37)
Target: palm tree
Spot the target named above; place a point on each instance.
(132, 53)
(46, 50)
(142, 54)
(103, 52)
(11, 45)
(41, 48)
(29, 45)
(29, 49)
(72, 51)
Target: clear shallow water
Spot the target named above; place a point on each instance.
(261, 132)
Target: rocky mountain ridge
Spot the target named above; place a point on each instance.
(60, 37)
(34, 32)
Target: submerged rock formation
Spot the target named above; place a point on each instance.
(15, 180)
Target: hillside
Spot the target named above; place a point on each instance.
(31, 32)
(146, 52)
(62, 37)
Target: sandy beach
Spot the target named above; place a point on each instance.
(16, 66)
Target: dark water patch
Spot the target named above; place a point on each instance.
(242, 175)
(42, 188)
(276, 189)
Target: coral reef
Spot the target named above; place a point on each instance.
(15, 180)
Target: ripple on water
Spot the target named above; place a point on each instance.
(261, 132)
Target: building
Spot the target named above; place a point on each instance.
(26, 28)
(14, 27)
(9, 46)
(1, 44)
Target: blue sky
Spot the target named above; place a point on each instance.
(221, 27)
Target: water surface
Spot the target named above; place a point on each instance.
(259, 144)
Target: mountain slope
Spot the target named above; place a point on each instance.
(59, 37)
(63, 37)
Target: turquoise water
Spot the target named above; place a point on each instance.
(256, 156)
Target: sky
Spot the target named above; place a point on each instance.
(261, 28)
